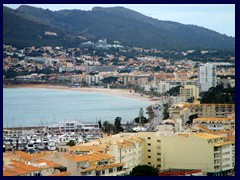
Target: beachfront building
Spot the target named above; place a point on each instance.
(157, 86)
(162, 87)
(74, 126)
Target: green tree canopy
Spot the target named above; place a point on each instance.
(174, 91)
(144, 170)
(118, 126)
(108, 127)
(144, 120)
(71, 143)
(218, 94)
(150, 112)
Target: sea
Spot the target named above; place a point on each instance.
(27, 107)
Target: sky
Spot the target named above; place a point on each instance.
(217, 17)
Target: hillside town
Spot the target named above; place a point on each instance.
(116, 66)
(187, 133)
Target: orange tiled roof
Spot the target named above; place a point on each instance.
(124, 144)
(108, 166)
(85, 148)
(89, 169)
(184, 135)
(231, 138)
(207, 136)
(136, 139)
(18, 168)
(213, 119)
(223, 143)
(64, 173)
(89, 157)
(29, 157)
(49, 164)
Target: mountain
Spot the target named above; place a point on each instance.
(27, 24)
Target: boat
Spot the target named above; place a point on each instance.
(51, 146)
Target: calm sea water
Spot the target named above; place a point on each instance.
(33, 107)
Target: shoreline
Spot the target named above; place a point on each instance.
(113, 92)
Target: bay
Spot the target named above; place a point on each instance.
(24, 107)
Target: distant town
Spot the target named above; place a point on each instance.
(190, 129)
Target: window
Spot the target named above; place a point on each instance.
(110, 170)
(149, 137)
(159, 165)
(158, 159)
(158, 147)
(149, 156)
(149, 150)
(149, 144)
(158, 140)
(159, 154)
(149, 163)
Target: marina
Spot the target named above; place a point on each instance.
(35, 139)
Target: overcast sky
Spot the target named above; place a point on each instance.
(217, 17)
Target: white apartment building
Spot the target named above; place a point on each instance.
(162, 87)
(73, 126)
(207, 76)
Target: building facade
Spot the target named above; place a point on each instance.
(207, 76)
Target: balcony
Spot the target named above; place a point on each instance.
(216, 149)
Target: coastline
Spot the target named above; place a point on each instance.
(113, 92)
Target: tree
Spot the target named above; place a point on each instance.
(100, 124)
(165, 112)
(108, 127)
(71, 143)
(175, 91)
(141, 116)
(144, 120)
(191, 117)
(118, 126)
(144, 170)
(218, 94)
(150, 113)
(190, 100)
(110, 79)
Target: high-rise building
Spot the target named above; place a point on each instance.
(207, 76)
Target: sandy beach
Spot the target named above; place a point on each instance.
(114, 92)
